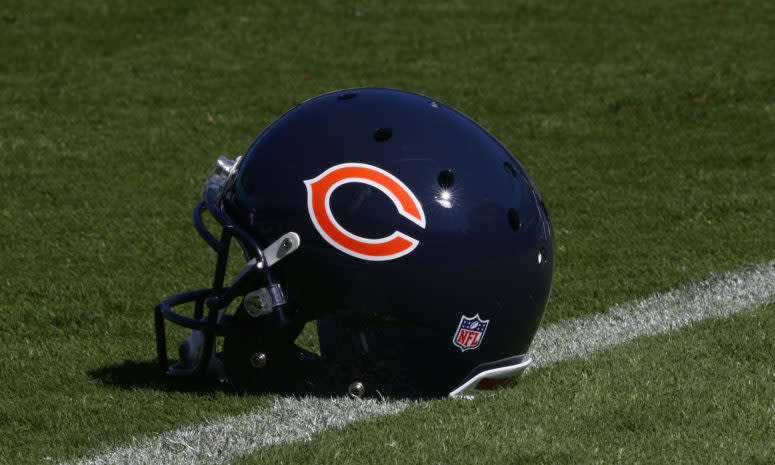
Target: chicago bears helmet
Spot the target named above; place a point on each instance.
(412, 237)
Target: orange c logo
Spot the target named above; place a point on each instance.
(319, 192)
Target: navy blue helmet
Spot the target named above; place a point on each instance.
(412, 237)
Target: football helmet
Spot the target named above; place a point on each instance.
(412, 237)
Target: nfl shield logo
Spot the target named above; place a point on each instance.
(470, 332)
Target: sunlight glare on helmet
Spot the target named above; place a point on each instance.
(444, 199)
(221, 174)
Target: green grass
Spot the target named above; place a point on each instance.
(701, 395)
(648, 127)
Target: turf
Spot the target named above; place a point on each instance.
(676, 398)
(646, 125)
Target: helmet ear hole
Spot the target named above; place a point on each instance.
(308, 339)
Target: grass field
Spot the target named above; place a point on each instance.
(649, 128)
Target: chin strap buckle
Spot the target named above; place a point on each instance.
(264, 300)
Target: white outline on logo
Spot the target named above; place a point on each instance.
(396, 234)
(457, 332)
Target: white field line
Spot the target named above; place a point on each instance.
(721, 296)
(291, 419)
(286, 420)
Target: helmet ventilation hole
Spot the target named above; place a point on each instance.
(514, 219)
(346, 96)
(510, 169)
(383, 134)
(446, 179)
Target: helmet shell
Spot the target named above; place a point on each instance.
(486, 247)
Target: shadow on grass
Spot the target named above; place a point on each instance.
(132, 374)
